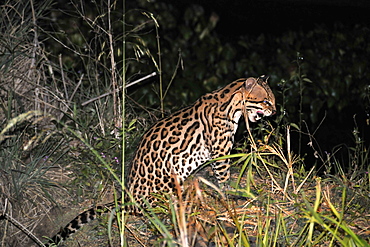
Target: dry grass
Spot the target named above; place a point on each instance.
(226, 220)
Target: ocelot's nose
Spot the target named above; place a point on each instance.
(273, 112)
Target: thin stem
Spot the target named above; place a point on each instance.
(113, 66)
(300, 101)
(123, 118)
(161, 97)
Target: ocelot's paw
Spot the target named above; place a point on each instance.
(225, 187)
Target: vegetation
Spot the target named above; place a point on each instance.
(64, 125)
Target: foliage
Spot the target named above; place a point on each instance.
(26, 158)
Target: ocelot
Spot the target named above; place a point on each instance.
(179, 144)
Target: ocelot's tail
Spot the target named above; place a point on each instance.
(80, 220)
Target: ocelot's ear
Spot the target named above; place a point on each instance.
(249, 83)
(263, 78)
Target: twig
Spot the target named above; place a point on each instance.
(126, 86)
(63, 78)
(21, 227)
(78, 85)
(139, 80)
(116, 105)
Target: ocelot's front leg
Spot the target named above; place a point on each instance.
(221, 169)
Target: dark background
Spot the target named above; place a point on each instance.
(239, 17)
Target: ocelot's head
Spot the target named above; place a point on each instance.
(259, 99)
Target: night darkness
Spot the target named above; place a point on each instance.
(273, 18)
(276, 16)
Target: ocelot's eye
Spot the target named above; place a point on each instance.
(267, 102)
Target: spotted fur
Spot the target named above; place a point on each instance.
(176, 146)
